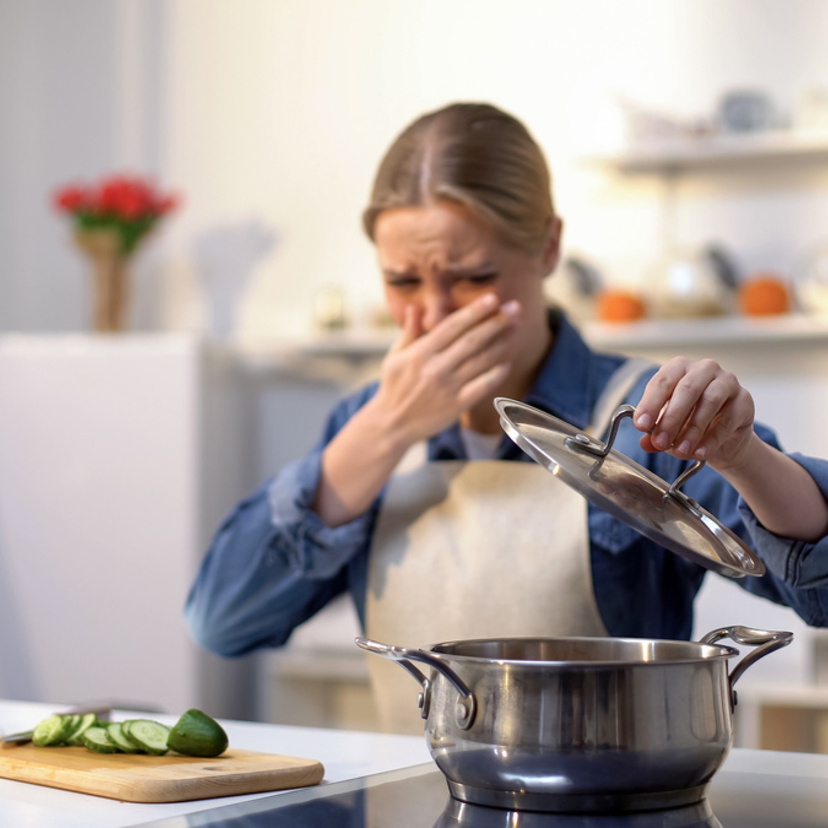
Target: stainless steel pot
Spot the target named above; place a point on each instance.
(580, 724)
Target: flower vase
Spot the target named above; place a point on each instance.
(110, 278)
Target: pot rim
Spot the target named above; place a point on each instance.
(701, 653)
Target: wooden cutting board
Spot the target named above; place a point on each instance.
(170, 778)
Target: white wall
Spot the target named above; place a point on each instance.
(74, 90)
(280, 109)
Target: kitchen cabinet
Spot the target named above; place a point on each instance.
(783, 717)
(321, 679)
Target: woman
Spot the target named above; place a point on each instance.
(407, 501)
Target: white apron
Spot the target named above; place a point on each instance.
(478, 549)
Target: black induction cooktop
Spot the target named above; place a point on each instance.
(418, 797)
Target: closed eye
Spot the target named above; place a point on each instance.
(478, 278)
(402, 282)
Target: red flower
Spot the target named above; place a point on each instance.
(124, 197)
(127, 204)
(71, 199)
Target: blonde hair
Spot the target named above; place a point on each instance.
(472, 154)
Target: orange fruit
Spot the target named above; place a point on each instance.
(764, 294)
(615, 305)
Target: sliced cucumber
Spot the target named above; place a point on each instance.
(87, 720)
(71, 724)
(51, 731)
(96, 738)
(195, 734)
(115, 734)
(149, 735)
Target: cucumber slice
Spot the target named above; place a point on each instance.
(51, 731)
(115, 734)
(87, 720)
(197, 734)
(72, 724)
(96, 738)
(149, 735)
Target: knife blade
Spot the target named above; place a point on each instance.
(102, 711)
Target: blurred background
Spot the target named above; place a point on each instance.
(278, 111)
(688, 141)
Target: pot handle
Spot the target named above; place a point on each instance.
(765, 641)
(467, 704)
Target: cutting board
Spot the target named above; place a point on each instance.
(170, 778)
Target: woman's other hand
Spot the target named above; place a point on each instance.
(696, 410)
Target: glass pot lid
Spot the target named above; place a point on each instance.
(620, 486)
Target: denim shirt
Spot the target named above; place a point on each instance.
(273, 563)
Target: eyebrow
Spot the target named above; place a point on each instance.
(483, 267)
(450, 270)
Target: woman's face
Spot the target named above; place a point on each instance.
(441, 257)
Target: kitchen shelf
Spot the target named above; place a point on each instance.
(368, 345)
(315, 356)
(680, 153)
(659, 333)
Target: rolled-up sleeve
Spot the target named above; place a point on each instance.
(799, 569)
(273, 563)
(314, 550)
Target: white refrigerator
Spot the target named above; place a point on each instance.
(119, 455)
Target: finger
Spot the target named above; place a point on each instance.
(711, 416)
(671, 395)
(646, 443)
(411, 328)
(483, 385)
(703, 439)
(461, 321)
(659, 389)
(677, 445)
(495, 351)
(487, 339)
(697, 399)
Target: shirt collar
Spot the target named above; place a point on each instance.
(572, 377)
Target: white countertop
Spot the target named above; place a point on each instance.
(780, 780)
(344, 754)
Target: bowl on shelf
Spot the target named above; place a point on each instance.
(687, 283)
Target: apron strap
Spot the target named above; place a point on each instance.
(615, 392)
